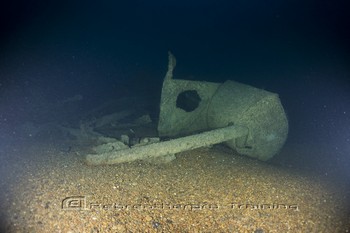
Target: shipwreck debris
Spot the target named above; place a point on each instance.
(167, 148)
(251, 121)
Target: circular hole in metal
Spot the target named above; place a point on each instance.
(188, 100)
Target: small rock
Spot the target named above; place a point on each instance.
(156, 224)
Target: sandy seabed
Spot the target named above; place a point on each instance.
(47, 188)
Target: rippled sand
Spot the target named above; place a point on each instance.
(47, 188)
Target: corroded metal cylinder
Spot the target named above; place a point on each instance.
(189, 107)
(258, 110)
